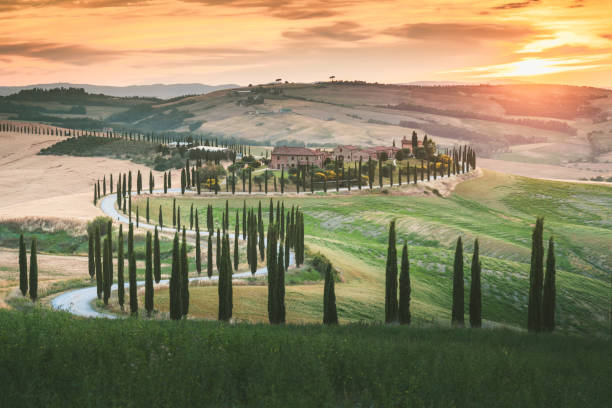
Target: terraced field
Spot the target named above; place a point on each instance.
(351, 230)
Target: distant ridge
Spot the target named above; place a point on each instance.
(161, 91)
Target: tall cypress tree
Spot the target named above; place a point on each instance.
(475, 291)
(33, 272)
(151, 182)
(23, 264)
(191, 217)
(174, 212)
(534, 309)
(149, 276)
(391, 278)
(198, 259)
(156, 258)
(236, 237)
(105, 272)
(279, 283)
(458, 308)
(98, 255)
(404, 288)
(271, 265)
(147, 210)
(120, 269)
(185, 276)
(218, 252)
(549, 298)
(330, 314)
(160, 219)
(132, 273)
(176, 304)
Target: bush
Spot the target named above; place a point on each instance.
(98, 222)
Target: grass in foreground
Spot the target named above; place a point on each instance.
(51, 359)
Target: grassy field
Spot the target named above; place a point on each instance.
(351, 230)
(51, 359)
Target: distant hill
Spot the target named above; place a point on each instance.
(161, 91)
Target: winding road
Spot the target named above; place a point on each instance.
(79, 301)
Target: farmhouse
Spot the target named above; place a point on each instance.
(353, 153)
(285, 157)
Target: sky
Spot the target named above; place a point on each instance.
(112, 42)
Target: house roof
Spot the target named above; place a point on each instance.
(295, 151)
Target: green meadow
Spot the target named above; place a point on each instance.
(499, 210)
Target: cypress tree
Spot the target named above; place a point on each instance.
(33, 272)
(198, 259)
(457, 319)
(404, 288)
(183, 181)
(218, 251)
(120, 268)
(271, 265)
(133, 289)
(330, 314)
(223, 287)
(169, 179)
(244, 220)
(534, 309)
(391, 278)
(23, 264)
(176, 304)
(149, 276)
(185, 276)
(98, 250)
(151, 182)
(209, 265)
(548, 299)
(282, 180)
(191, 217)
(236, 237)
(160, 218)
(156, 258)
(475, 291)
(279, 286)
(105, 273)
(174, 212)
(178, 219)
(147, 210)
(137, 216)
(165, 183)
(260, 227)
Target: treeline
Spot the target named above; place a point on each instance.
(542, 289)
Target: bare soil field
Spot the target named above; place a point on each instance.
(51, 186)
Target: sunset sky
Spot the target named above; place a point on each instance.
(112, 42)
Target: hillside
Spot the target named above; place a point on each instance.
(563, 126)
(161, 91)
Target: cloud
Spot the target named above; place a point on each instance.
(339, 31)
(459, 31)
(607, 36)
(67, 53)
(12, 5)
(288, 9)
(219, 51)
(516, 5)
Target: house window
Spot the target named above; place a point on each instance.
(292, 158)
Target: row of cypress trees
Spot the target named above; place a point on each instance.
(463, 159)
(28, 283)
(101, 266)
(542, 291)
(400, 311)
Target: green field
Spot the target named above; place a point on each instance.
(351, 230)
(51, 359)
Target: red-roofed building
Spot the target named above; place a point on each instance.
(284, 157)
